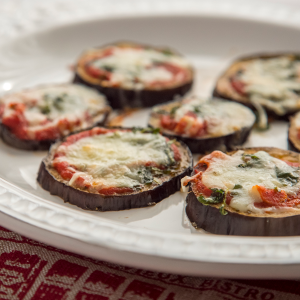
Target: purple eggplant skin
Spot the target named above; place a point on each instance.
(90, 201)
(272, 114)
(204, 145)
(292, 146)
(224, 143)
(119, 98)
(209, 217)
(33, 145)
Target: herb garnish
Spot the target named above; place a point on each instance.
(237, 186)
(146, 130)
(58, 102)
(157, 170)
(173, 110)
(148, 174)
(222, 210)
(51, 102)
(197, 109)
(217, 196)
(145, 175)
(250, 161)
(286, 178)
(108, 68)
(45, 109)
(167, 52)
(170, 156)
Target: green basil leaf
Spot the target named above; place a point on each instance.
(167, 52)
(197, 109)
(286, 177)
(146, 175)
(217, 196)
(146, 130)
(237, 186)
(173, 110)
(108, 68)
(223, 211)
(250, 161)
(45, 109)
(207, 201)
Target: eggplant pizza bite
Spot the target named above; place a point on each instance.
(115, 169)
(134, 75)
(35, 118)
(271, 82)
(204, 125)
(254, 192)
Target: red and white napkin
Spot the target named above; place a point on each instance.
(33, 270)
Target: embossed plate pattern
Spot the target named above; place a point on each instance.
(156, 237)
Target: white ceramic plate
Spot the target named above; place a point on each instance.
(158, 237)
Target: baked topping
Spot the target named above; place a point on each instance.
(113, 161)
(133, 66)
(51, 112)
(271, 82)
(196, 117)
(249, 183)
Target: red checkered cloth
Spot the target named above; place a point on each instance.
(32, 270)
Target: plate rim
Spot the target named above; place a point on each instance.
(254, 250)
(257, 10)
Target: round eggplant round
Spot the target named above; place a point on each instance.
(202, 144)
(224, 89)
(33, 145)
(15, 141)
(50, 180)
(232, 222)
(120, 97)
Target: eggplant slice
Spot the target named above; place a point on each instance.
(279, 97)
(235, 123)
(106, 75)
(150, 194)
(39, 104)
(12, 140)
(233, 222)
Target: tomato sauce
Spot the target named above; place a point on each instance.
(238, 86)
(66, 171)
(276, 198)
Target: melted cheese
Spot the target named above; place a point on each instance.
(47, 106)
(115, 159)
(222, 117)
(137, 67)
(274, 83)
(225, 174)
